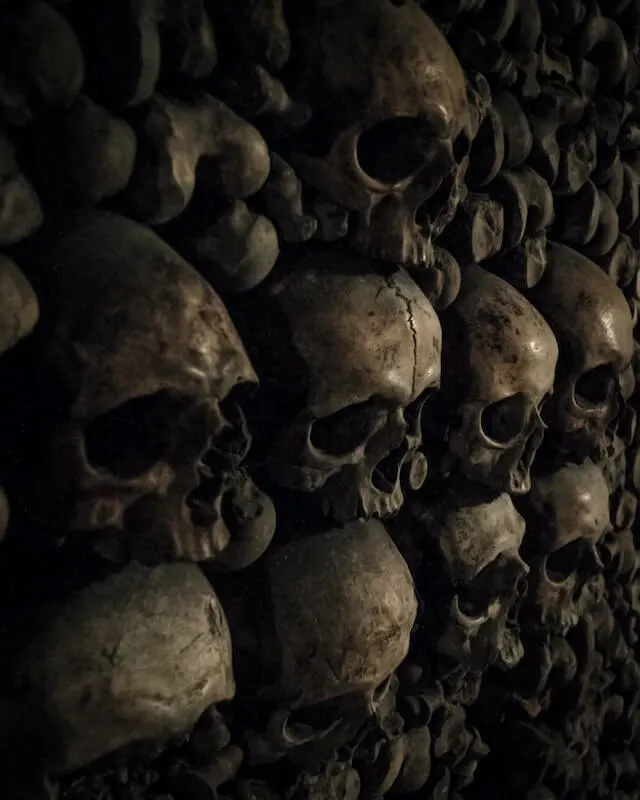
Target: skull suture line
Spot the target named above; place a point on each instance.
(479, 536)
(592, 321)
(499, 364)
(371, 348)
(392, 87)
(143, 353)
(569, 513)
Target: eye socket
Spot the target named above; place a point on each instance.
(128, 440)
(595, 388)
(562, 563)
(393, 150)
(344, 431)
(503, 421)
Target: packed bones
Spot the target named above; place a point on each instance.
(343, 607)
(498, 366)
(370, 346)
(569, 513)
(140, 355)
(478, 536)
(401, 118)
(592, 322)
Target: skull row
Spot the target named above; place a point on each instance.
(141, 426)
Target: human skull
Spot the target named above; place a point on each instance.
(132, 659)
(138, 355)
(498, 367)
(479, 536)
(370, 346)
(386, 80)
(569, 513)
(592, 322)
(342, 608)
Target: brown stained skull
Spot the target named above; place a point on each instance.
(592, 322)
(371, 348)
(479, 536)
(569, 513)
(397, 97)
(498, 367)
(341, 610)
(139, 358)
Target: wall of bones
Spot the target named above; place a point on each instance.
(318, 402)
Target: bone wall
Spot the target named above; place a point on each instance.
(319, 466)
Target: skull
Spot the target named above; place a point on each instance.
(479, 536)
(386, 80)
(138, 356)
(342, 607)
(499, 364)
(592, 322)
(370, 346)
(569, 512)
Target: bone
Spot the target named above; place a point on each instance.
(607, 230)
(517, 132)
(282, 196)
(620, 262)
(333, 219)
(202, 784)
(41, 65)
(260, 30)
(20, 208)
(239, 251)
(596, 31)
(578, 216)
(578, 151)
(121, 632)
(254, 93)
(487, 151)
(19, 310)
(80, 157)
(175, 139)
(476, 232)
(527, 204)
(177, 37)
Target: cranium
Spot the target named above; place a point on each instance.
(138, 356)
(499, 363)
(592, 322)
(569, 512)
(370, 347)
(386, 80)
(479, 536)
(342, 607)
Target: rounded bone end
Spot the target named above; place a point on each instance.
(19, 310)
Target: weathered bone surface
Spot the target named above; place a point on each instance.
(376, 369)
(498, 366)
(135, 677)
(120, 372)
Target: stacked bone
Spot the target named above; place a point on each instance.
(297, 315)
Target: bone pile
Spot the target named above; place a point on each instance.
(319, 466)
